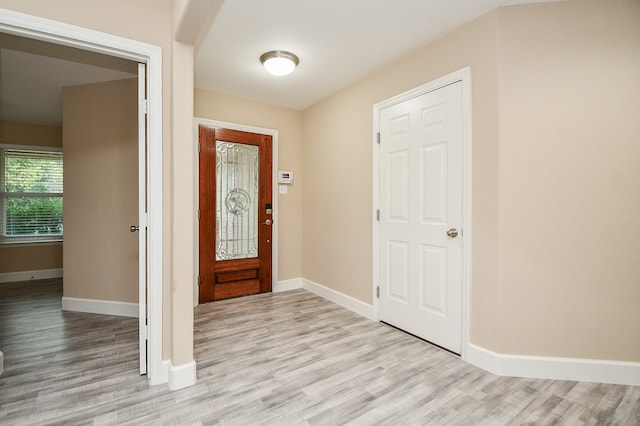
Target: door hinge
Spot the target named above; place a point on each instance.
(144, 106)
(198, 147)
(198, 214)
(378, 215)
(198, 279)
(378, 138)
(378, 292)
(145, 331)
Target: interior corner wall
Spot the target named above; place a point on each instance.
(555, 181)
(288, 123)
(570, 180)
(100, 143)
(30, 257)
(338, 157)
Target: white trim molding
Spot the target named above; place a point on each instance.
(165, 368)
(182, 376)
(540, 367)
(105, 307)
(355, 305)
(555, 368)
(286, 285)
(40, 274)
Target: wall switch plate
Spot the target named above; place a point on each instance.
(282, 189)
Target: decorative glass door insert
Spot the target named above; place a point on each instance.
(236, 200)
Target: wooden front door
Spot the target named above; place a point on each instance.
(235, 213)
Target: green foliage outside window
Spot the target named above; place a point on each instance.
(32, 193)
(33, 216)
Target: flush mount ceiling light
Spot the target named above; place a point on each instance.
(279, 62)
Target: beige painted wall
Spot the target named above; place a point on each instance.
(338, 157)
(570, 179)
(288, 123)
(100, 139)
(30, 134)
(30, 257)
(556, 240)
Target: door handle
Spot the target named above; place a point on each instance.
(453, 232)
(267, 222)
(134, 228)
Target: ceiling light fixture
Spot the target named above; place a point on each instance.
(279, 62)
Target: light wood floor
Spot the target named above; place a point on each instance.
(284, 359)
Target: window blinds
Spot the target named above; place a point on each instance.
(31, 194)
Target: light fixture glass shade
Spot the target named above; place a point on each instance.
(279, 62)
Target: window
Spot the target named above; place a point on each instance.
(30, 194)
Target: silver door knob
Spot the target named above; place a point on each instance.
(453, 232)
(267, 222)
(134, 228)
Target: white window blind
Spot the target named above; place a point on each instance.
(31, 194)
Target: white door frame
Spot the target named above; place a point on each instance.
(197, 121)
(464, 76)
(81, 38)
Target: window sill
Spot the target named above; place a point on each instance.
(29, 243)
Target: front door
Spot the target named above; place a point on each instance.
(421, 216)
(235, 213)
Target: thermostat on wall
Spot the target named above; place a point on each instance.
(285, 177)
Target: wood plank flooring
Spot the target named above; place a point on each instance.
(291, 358)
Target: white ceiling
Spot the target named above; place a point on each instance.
(32, 85)
(338, 42)
(33, 73)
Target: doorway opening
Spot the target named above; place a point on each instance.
(58, 34)
(238, 213)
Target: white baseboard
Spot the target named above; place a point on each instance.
(166, 367)
(341, 299)
(40, 274)
(287, 285)
(94, 306)
(182, 376)
(556, 368)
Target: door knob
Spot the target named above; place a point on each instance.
(453, 232)
(267, 222)
(134, 228)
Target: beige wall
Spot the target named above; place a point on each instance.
(30, 134)
(288, 123)
(30, 257)
(18, 258)
(338, 157)
(554, 177)
(100, 139)
(570, 179)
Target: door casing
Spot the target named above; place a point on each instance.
(81, 38)
(274, 191)
(464, 76)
